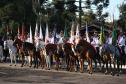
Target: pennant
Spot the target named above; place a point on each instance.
(55, 34)
(72, 34)
(23, 38)
(47, 34)
(36, 31)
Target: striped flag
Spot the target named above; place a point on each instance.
(18, 31)
(23, 38)
(87, 33)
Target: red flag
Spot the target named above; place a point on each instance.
(23, 39)
(7, 31)
(11, 30)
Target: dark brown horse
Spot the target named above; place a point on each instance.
(69, 56)
(19, 43)
(90, 53)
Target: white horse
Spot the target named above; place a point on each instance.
(1, 53)
(41, 44)
(12, 50)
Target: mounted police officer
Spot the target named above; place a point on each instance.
(109, 39)
(61, 38)
(95, 42)
(121, 43)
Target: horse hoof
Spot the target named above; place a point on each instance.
(21, 65)
(48, 68)
(30, 66)
(87, 70)
(42, 68)
(117, 74)
(100, 71)
(10, 64)
(105, 73)
(15, 65)
(81, 71)
(91, 73)
(75, 71)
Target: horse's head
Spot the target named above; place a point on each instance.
(59, 48)
(5, 45)
(66, 47)
(79, 44)
(17, 42)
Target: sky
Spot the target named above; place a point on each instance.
(112, 8)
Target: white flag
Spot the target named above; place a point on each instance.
(36, 31)
(72, 33)
(40, 34)
(77, 34)
(31, 35)
(46, 34)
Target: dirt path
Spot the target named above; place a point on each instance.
(11, 75)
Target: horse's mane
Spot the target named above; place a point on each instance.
(86, 44)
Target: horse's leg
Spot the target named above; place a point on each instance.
(14, 55)
(106, 72)
(37, 61)
(75, 65)
(121, 65)
(99, 65)
(22, 56)
(117, 67)
(95, 65)
(11, 59)
(71, 64)
(90, 66)
(82, 64)
(49, 62)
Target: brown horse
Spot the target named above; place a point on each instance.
(51, 49)
(19, 43)
(90, 53)
(69, 55)
(42, 57)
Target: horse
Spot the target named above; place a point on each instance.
(51, 49)
(90, 54)
(40, 48)
(115, 55)
(61, 54)
(12, 50)
(32, 50)
(17, 42)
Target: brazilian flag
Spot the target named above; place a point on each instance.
(65, 35)
(102, 36)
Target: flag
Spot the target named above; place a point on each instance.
(102, 36)
(11, 30)
(31, 35)
(23, 38)
(47, 34)
(55, 34)
(18, 31)
(7, 31)
(114, 35)
(72, 33)
(77, 34)
(87, 33)
(65, 35)
(40, 34)
(36, 31)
